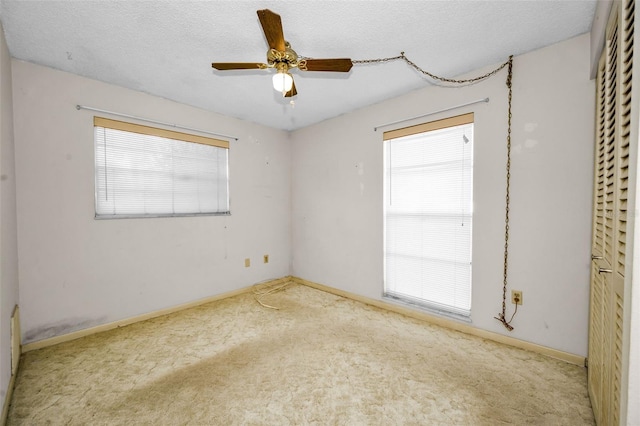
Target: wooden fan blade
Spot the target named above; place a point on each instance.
(272, 27)
(337, 65)
(291, 92)
(224, 66)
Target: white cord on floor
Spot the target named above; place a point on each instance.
(260, 292)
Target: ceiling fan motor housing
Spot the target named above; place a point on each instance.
(288, 57)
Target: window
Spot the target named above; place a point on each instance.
(428, 214)
(146, 172)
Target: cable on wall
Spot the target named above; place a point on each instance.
(161, 123)
(502, 316)
(509, 65)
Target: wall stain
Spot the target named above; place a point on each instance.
(61, 327)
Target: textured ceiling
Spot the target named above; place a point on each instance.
(165, 48)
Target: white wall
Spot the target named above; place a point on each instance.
(337, 194)
(8, 235)
(77, 272)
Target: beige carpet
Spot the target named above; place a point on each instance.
(320, 359)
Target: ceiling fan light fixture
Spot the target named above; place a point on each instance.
(282, 81)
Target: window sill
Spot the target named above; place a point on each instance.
(426, 308)
(150, 216)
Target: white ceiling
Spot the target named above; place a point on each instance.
(165, 48)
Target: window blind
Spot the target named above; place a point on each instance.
(145, 171)
(428, 214)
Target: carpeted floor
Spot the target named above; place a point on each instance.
(320, 359)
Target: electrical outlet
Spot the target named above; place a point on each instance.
(266, 258)
(247, 262)
(516, 297)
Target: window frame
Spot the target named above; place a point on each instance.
(406, 299)
(129, 127)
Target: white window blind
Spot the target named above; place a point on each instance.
(428, 214)
(144, 171)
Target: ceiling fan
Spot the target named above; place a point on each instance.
(283, 58)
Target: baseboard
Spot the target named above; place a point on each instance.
(16, 340)
(131, 320)
(15, 362)
(451, 324)
(7, 400)
(433, 319)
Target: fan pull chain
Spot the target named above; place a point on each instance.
(403, 57)
(502, 316)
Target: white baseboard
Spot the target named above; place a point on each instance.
(7, 400)
(451, 324)
(15, 362)
(433, 319)
(16, 340)
(131, 320)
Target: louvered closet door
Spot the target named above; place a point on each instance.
(610, 215)
(596, 333)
